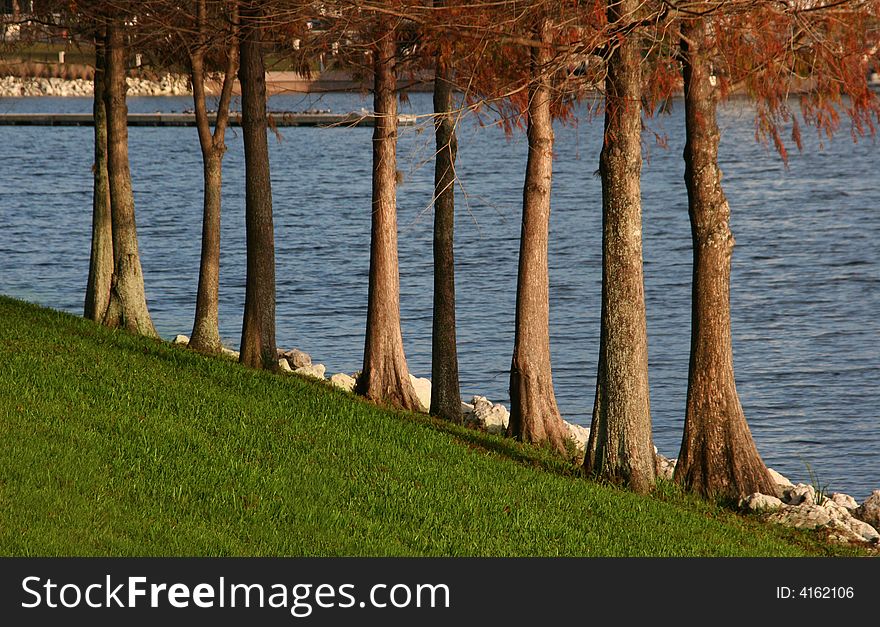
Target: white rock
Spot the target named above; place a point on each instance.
(667, 466)
(284, 365)
(778, 479)
(297, 358)
(316, 371)
(840, 532)
(467, 412)
(758, 502)
(167, 85)
(803, 516)
(830, 515)
(343, 381)
(845, 500)
(491, 417)
(423, 391)
(579, 434)
(228, 352)
(180, 339)
(836, 511)
(869, 511)
(800, 494)
(847, 528)
(863, 529)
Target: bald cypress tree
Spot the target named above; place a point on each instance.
(718, 455)
(127, 306)
(534, 415)
(385, 377)
(258, 348)
(620, 448)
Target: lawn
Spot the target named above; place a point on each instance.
(112, 445)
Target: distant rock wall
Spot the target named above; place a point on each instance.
(168, 85)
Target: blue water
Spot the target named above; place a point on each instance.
(806, 270)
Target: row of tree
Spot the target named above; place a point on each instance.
(530, 62)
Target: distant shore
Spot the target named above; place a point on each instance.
(277, 83)
(179, 85)
(331, 81)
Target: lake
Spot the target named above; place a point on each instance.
(805, 279)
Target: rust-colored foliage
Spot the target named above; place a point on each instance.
(493, 45)
(813, 57)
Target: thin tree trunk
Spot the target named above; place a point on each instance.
(718, 456)
(620, 448)
(445, 387)
(101, 261)
(258, 328)
(385, 377)
(534, 416)
(128, 303)
(206, 326)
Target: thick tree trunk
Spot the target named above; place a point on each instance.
(620, 448)
(445, 390)
(128, 303)
(534, 416)
(718, 456)
(101, 261)
(385, 377)
(206, 326)
(258, 329)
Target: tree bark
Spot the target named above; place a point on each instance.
(101, 260)
(445, 387)
(128, 303)
(385, 377)
(718, 456)
(206, 326)
(620, 448)
(534, 415)
(258, 328)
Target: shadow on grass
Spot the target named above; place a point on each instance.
(542, 457)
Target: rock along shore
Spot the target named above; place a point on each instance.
(794, 505)
(277, 82)
(168, 85)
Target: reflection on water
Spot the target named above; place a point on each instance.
(805, 271)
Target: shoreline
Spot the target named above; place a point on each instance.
(277, 83)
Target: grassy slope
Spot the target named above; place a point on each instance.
(115, 445)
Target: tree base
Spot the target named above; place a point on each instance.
(393, 389)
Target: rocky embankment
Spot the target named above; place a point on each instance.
(168, 85)
(794, 505)
(803, 507)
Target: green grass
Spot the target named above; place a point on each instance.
(111, 444)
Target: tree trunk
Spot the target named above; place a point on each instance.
(128, 303)
(445, 387)
(258, 329)
(206, 326)
(101, 261)
(620, 448)
(534, 416)
(718, 456)
(385, 378)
